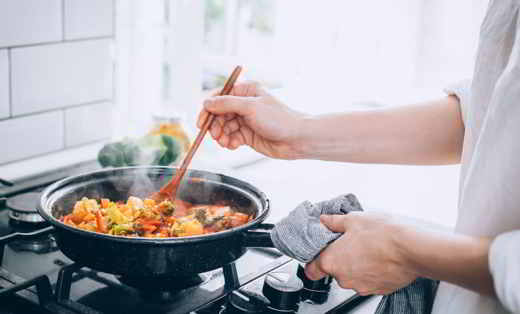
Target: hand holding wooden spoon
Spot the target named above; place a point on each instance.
(169, 191)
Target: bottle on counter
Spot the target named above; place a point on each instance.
(173, 126)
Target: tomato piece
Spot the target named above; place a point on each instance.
(148, 228)
(79, 212)
(153, 222)
(238, 219)
(181, 208)
(241, 217)
(210, 229)
(68, 220)
(164, 232)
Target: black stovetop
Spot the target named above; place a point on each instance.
(35, 277)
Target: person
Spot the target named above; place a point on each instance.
(476, 124)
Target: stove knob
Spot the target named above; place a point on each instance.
(314, 291)
(283, 290)
(246, 302)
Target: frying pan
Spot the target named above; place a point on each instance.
(156, 258)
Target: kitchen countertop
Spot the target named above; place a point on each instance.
(423, 192)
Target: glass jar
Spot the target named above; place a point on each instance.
(173, 126)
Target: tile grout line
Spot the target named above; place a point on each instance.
(57, 42)
(10, 82)
(90, 142)
(114, 51)
(63, 20)
(64, 124)
(94, 102)
(114, 24)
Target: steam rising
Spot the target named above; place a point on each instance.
(196, 187)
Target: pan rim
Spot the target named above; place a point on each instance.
(251, 190)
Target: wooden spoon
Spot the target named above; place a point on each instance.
(169, 191)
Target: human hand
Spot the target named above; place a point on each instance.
(367, 258)
(251, 116)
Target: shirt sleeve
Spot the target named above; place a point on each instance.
(504, 264)
(461, 90)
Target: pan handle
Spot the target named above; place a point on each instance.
(259, 236)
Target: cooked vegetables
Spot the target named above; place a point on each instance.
(146, 218)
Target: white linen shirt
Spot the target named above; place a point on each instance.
(489, 199)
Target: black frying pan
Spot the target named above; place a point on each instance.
(149, 257)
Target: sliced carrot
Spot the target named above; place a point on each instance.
(105, 202)
(153, 222)
(100, 224)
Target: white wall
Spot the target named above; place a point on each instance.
(56, 75)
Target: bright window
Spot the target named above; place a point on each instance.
(327, 55)
(330, 54)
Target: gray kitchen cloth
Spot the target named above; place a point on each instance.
(416, 298)
(301, 236)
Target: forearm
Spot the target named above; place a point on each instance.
(429, 133)
(454, 258)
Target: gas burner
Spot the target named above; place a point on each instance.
(45, 244)
(162, 290)
(23, 208)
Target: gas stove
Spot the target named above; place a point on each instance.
(35, 277)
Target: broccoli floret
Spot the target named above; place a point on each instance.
(160, 150)
(119, 154)
(131, 153)
(111, 156)
(173, 150)
(121, 229)
(167, 207)
(201, 215)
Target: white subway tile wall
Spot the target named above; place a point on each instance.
(4, 84)
(31, 136)
(92, 18)
(86, 124)
(25, 22)
(56, 75)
